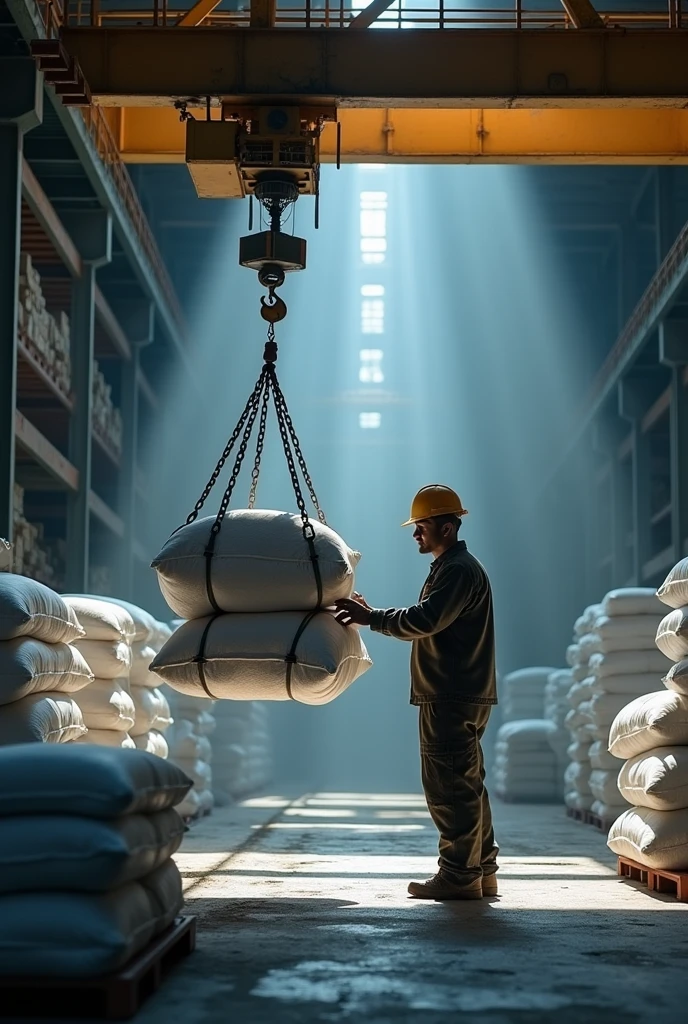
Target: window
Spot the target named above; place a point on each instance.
(372, 290)
(372, 309)
(371, 366)
(369, 420)
(373, 226)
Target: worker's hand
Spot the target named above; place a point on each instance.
(354, 612)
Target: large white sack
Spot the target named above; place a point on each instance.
(578, 751)
(261, 563)
(145, 624)
(655, 720)
(84, 935)
(607, 812)
(151, 711)
(672, 634)
(604, 786)
(636, 684)
(600, 758)
(207, 800)
(190, 805)
(108, 738)
(674, 591)
(527, 680)
(527, 733)
(588, 645)
(28, 608)
(101, 619)
(631, 601)
(93, 781)
(204, 724)
(107, 659)
(581, 692)
(41, 718)
(604, 707)
(577, 777)
(66, 852)
(142, 653)
(656, 839)
(622, 633)
(246, 657)
(184, 743)
(107, 704)
(621, 663)
(580, 671)
(658, 778)
(677, 677)
(33, 666)
(572, 655)
(578, 801)
(154, 742)
(200, 773)
(161, 635)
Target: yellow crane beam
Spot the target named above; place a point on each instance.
(537, 68)
(631, 136)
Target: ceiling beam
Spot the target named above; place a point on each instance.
(370, 14)
(198, 13)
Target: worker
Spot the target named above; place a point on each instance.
(453, 682)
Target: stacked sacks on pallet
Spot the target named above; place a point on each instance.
(252, 594)
(40, 668)
(651, 733)
(556, 710)
(242, 750)
(190, 749)
(86, 840)
(106, 704)
(577, 794)
(624, 665)
(153, 716)
(523, 694)
(527, 769)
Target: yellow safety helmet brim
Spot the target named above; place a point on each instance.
(435, 500)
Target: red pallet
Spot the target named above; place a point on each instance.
(117, 996)
(656, 879)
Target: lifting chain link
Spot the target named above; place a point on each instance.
(261, 441)
(281, 405)
(241, 454)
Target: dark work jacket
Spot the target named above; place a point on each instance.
(452, 629)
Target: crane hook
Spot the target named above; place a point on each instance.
(274, 308)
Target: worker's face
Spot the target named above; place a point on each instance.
(427, 535)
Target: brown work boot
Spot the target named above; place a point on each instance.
(440, 888)
(490, 885)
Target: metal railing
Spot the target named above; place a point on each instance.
(333, 14)
(52, 12)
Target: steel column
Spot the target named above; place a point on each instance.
(673, 352)
(92, 235)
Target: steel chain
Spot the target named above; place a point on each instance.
(255, 474)
(299, 454)
(243, 447)
(227, 452)
(308, 530)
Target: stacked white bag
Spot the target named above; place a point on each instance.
(525, 765)
(153, 716)
(106, 704)
(262, 577)
(577, 793)
(87, 836)
(40, 668)
(190, 749)
(651, 733)
(556, 710)
(242, 750)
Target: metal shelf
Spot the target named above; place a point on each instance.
(39, 381)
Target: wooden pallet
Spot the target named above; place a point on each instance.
(602, 824)
(656, 879)
(117, 996)
(575, 814)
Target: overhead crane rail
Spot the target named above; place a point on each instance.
(340, 14)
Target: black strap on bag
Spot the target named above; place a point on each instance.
(267, 387)
(200, 658)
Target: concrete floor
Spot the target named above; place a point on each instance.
(303, 917)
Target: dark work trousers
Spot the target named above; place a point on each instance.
(453, 773)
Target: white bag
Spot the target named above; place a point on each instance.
(67, 852)
(600, 758)
(635, 684)
(200, 773)
(97, 782)
(246, 657)
(102, 620)
(572, 655)
(108, 738)
(142, 654)
(32, 666)
(84, 935)
(674, 591)
(151, 711)
(207, 800)
(608, 812)
(581, 692)
(107, 659)
(604, 787)
(190, 805)
(261, 563)
(144, 623)
(578, 801)
(621, 663)
(677, 677)
(154, 742)
(631, 601)
(658, 778)
(655, 720)
(28, 608)
(578, 751)
(656, 839)
(577, 777)
(107, 704)
(672, 634)
(604, 707)
(41, 718)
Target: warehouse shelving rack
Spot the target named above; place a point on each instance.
(44, 410)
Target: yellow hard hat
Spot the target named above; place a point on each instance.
(435, 500)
